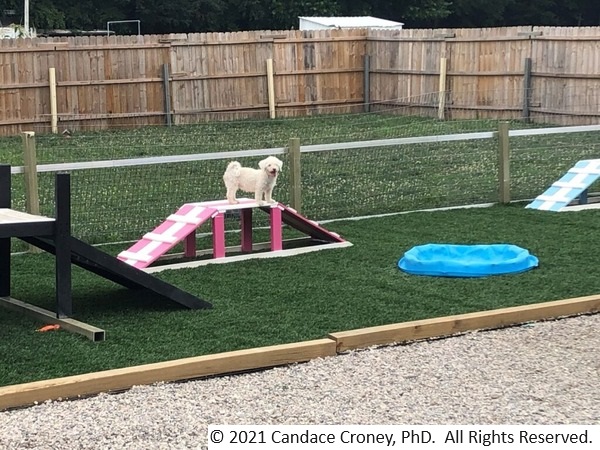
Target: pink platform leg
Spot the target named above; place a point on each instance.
(276, 233)
(246, 225)
(189, 245)
(218, 229)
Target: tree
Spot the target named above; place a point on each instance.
(277, 14)
(490, 13)
(42, 13)
(185, 16)
(180, 16)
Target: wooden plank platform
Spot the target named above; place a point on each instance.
(8, 215)
(17, 224)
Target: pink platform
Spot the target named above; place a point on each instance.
(181, 227)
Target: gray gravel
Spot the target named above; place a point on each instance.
(539, 373)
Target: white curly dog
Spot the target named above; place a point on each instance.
(261, 181)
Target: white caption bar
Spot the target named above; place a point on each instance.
(406, 437)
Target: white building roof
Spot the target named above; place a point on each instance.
(349, 22)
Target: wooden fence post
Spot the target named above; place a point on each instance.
(503, 163)
(53, 107)
(367, 83)
(32, 199)
(442, 89)
(271, 88)
(295, 176)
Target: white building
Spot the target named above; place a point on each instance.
(327, 23)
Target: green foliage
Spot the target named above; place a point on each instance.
(487, 13)
(183, 16)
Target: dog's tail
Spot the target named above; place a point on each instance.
(234, 168)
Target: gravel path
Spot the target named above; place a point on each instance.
(541, 373)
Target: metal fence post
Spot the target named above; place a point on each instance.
(367, 83)
(295, 182)
(167, 94)
(503, 163)
(527, 90)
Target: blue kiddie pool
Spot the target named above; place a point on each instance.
(455, 260)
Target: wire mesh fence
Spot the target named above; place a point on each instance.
(361, 176)
(367, 181)
(537, 161)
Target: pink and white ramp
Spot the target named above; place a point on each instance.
(181, 227)
(163, 238)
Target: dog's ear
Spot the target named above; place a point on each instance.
(262, 164)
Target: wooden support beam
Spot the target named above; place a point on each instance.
(503, 163)
(53, 104)
(271, 88)
(295, 174)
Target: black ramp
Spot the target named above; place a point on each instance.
(109, 267)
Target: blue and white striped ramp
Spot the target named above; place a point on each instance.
(569, 187)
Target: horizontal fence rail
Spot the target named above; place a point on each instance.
(397, 141)
(557, 130)
(130, 162)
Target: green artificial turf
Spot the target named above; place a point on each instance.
(282, 300)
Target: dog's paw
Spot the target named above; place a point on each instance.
(232, 202)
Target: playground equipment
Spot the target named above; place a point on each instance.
(181, 227)
(572, 185)
(54, 236)
(466, 261)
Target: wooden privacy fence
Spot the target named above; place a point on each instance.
(544, 74)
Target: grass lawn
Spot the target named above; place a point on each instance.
(282, 300)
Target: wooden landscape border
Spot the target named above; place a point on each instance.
(77, 386)
(460, 323)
